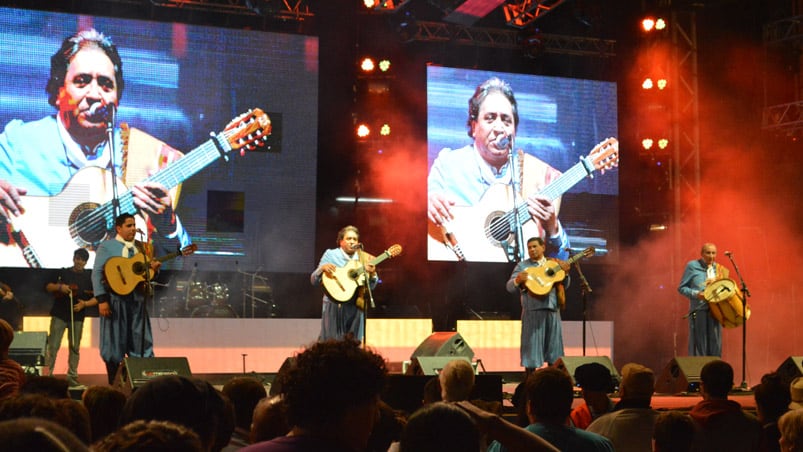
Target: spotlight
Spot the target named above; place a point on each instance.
(385, 130)
(367, 65)
(384, 65)
(646, 143)
(647, 83)
(363, 131)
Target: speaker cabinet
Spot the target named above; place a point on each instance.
(571, 363)
(446, 343)
(431, 365)
(682, 374)
(791, 368)
(135, 372)
(28, 348)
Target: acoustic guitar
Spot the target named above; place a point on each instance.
(477, 233)
(123, 274)
(540, 279)
(344, 281)
(82, 214)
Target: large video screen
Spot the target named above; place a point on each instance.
(244, 209)
(483, 168)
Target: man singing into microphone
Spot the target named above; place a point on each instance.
(462, 177)
(705, 332)
(42, 157)
(340, 319)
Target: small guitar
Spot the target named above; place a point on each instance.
(344, 281)
(540, 279)
(124, 273)
(477, 232)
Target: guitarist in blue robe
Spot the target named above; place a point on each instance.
(541, 330)
(340, 319)
(122, 316)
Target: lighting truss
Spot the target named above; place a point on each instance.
(522, 13)
(286, 9)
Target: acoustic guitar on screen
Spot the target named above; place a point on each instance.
(541, 279)
(345, 280)
(123, 274)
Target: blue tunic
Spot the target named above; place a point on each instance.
(705, 332)
(339, 319)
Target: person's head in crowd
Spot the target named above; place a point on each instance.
(244, 393)
(387, 430)
(716, 379)
(76, 418)
(50, 386)
(596, 383)
(638, 384)
(440, 427)
(105, 405)
(796, 394)
(6, 338)
(190, 402)
(772, 397)
(151, 436)
(13, 376)
(432, 391)
(31, 405)
(37, 434)
(673, 432)
(269, 420)
(332, 392)
(456, 380)
(549, 396)
(791, 427)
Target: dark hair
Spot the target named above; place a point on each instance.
(329, 378)
(550, 395)
(594, 377)
(244, 393)
(717, 377)
(84, 39)
(492, 85)
(342, 233)
(142, 435)
(105, 404)
(536, 239)
(673, 432)
(120, 220)
(82, 254)
(440, 426)
(772, 397)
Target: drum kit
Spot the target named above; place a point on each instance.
(198, 299)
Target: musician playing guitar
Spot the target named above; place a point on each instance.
(541, 330)
(122, 317)
(73, 301)
(705, 332)
(340, 319)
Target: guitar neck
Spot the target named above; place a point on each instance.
(381, 258)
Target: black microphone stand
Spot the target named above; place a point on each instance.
(745, 295)
(111, 119)
(585, 289)
(148, 291)
(518, 252)
(366, 303)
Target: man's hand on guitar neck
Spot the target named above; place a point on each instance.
(10, 199)
(154, 199)
(544, 212)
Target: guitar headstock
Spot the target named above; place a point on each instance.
(605, 155)
(188, 250)
(588, 252)
(394, 250)
(248, 131)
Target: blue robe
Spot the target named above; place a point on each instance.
(705, 332)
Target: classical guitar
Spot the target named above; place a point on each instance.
(540, 279)
(82, 214)
(477, 232)
(123, 274)
(344, 281)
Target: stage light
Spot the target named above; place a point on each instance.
(660, 24)
(648, 24)
(367, 64)
(385, 130)
(651, 24)
(363, 131)
(661, 84)
(647, 83)
(647, 143)
(384, 65)
(663, 143)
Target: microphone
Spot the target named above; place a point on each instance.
(140, 232)
(728, 253)
(504, 142)
(357, 246)
(100, 110)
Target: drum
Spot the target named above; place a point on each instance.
(218, 294)
(196, 295)
(725, 303)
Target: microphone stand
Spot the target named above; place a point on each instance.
(370, 301)
(148, 288)
(519, 250)
(111, 119)
(745, 294)
(585, 289)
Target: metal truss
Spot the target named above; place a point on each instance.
(522, 13)
(788, 117)
(783, 117)
(507, 39)
(285, 9)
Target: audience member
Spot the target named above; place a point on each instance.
(772, 401)
(549, 402)
(75, 418)
(721, 423)
(456, 380)
(387, 430)
(244, 393)
(674, 432)
(37, 434)
(31, 405)
(432, 391)
(192, 403)
(151, 436)
(630, 425)
(105, 405)
(596, 383)
(493, 427)
(440, 427)
(269, 420)
(12, 376)
(791, 426)
(331, 395)
(796, 394)
(53, 387)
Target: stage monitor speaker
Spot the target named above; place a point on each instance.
(571, 363)
(28, 349)
(135, 372)
(682, 374)
(445, 343)
(431, 365)
(791, 368)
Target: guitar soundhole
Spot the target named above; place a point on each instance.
(87, 229)
(498, 229)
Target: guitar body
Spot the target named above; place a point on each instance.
(481, 229)
(344, 281)
(541, 279)
(123, 274)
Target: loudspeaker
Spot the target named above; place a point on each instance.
(446, 343)
(571, 363)
(682, 374)
(135, 372)
(431, 365)
(791, 368)
(28, 348)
